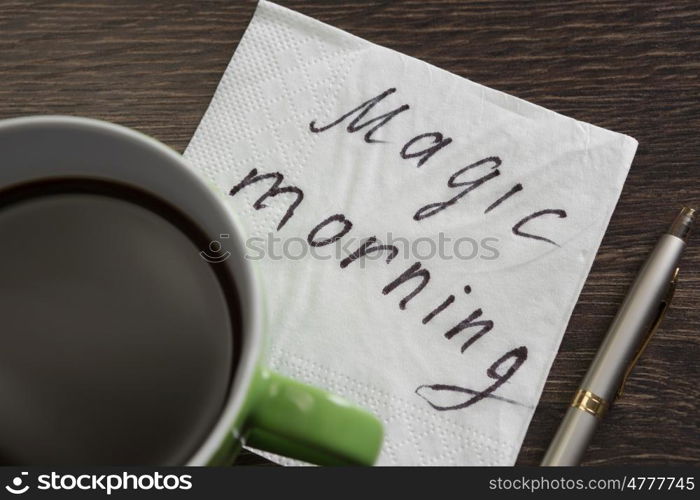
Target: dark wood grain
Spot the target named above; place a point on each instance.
(632, 66)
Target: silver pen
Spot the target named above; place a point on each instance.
(638, 318)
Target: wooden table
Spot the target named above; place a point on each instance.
(632, 66)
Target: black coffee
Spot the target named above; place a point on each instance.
(116, 337)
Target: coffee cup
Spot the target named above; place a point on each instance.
(131, 324)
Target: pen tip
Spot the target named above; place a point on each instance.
(681, 226)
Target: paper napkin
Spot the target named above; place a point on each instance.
(422, 239)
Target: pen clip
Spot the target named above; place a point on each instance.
(663, 307)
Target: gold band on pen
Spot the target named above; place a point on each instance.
(590, 403)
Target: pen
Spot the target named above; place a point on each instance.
(638, 318)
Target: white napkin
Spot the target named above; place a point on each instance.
(278, 112)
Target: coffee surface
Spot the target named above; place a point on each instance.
(116, 339)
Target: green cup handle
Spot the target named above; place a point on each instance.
(299, 421)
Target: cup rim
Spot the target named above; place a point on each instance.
(201, 202)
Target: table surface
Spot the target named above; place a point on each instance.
(631, 66)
